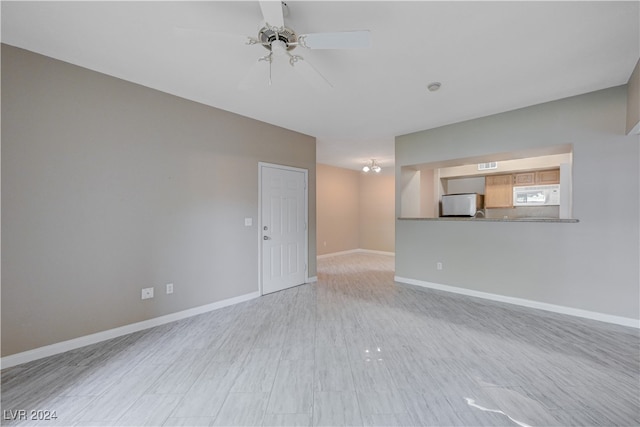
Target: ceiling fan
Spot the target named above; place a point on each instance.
(280, 41)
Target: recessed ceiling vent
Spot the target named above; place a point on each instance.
(487, 166)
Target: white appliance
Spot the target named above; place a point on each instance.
(536, 195)
(466, 204)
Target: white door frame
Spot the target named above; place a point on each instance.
(306, 216)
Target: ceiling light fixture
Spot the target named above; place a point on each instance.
(372, 166)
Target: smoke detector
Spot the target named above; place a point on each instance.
(434, 86)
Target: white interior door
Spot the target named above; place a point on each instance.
(283, 227)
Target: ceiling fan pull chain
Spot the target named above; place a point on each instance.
(269, 59)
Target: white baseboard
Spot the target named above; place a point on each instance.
(593, 315)
(369, 251)
(61, 347)
(355, 251)
(313, 279)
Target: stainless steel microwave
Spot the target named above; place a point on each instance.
(466, 204)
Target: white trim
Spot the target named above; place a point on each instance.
(355, 251)
(313, 279)
(593, 315)
(369, 251)
(306, 213)
(72, 344)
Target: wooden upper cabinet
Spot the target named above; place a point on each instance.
(524, 178)
(551, 176)
(498, 191)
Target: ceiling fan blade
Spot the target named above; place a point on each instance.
(258, 74)
(337, 40)
(272, 12)
(309, 73)
(217, 35)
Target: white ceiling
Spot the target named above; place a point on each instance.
(490, 57)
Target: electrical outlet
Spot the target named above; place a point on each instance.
(248, 222)
(439, 265)
(169, 288)
(147, 293)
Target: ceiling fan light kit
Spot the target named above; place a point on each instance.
(268, 35)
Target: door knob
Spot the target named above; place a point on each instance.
(266, 238)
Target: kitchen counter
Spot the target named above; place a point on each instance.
(528, 219)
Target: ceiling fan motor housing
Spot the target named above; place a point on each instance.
(268, 35)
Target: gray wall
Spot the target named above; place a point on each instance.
(591, 265)
(109, 187)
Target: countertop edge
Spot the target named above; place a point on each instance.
(472, 219)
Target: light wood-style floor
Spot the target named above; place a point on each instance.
(353, 349)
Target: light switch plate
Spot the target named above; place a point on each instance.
(248, 222)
